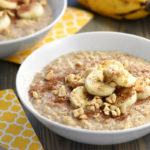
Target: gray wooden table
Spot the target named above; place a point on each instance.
(50, 140)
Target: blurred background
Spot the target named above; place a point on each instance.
(103, 23)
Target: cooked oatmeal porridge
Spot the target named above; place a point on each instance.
(94, 90)
(19, 18)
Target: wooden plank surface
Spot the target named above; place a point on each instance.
(50, 140)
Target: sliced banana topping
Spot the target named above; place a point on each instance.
(142, 86)
(114, 71)
(32, 11)
(7, 4)
(95, 85)
(112, 63)
(121, 77)
(4, 21)
(126, 97)
(78, 97)
(108, 88)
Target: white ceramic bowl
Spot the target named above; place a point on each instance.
(105, 41)
(10, 47)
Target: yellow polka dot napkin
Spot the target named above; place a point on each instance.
(72, 21)
(16, 132)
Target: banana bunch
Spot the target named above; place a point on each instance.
(119, 9)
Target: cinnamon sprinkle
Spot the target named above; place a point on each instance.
(24, 8)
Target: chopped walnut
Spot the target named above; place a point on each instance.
(94, 104)
(111, 99)
(74, 80)
(112, 110)
(35, 94)
(106, 110)
(78, 112)
(62, 91)
(49, 75)
(115, 111)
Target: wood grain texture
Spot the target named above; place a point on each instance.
(50, 140)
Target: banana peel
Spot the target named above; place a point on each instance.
(119, 9)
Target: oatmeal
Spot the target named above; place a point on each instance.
(19, 18)
(94, 90)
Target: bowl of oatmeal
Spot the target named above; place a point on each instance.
(23, 23)
(88, 90)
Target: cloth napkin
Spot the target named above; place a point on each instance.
(72, 21)
(16, 132)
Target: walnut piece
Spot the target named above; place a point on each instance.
(74, 80)
(49, 75)
(111, 99)
(111, 110)
(106, 110)
(35, 94)
(115, 111)
(94, 104)
(62, 91)
(79, 113)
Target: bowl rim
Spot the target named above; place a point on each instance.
(51, 24)
(36, 113)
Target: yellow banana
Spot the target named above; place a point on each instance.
(119, 9)
(8, 4)
(94, 84)
(114, 71)
(4, 21)
(126, 97)
(35, 10)
(142, 86)
(78, 97)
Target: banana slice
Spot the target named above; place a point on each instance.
(94, 84)
(126, 97)
(121, 77)
(112, 63)
(114, 71)
(78, 97)
(4, 21)
(142, 86)
(34, 11)
(5, 4)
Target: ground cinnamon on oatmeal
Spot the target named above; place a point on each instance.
(106, 90)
